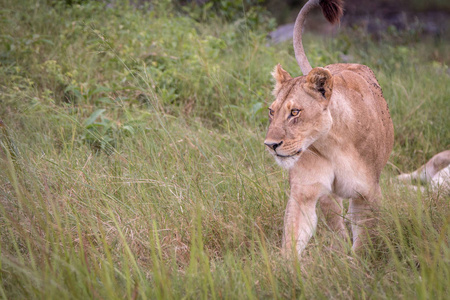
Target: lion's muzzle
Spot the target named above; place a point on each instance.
(272, 145)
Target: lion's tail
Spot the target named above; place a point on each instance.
(332, 10)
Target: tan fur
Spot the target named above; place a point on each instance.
(337, 144)
(332, 10)
(435, 173)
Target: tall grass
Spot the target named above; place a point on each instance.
(132, 163)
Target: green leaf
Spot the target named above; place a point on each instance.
(47, 41)
(94, 116)
(105, 100)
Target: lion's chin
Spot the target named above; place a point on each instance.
(286, 162)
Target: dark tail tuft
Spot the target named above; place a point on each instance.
(332, 10)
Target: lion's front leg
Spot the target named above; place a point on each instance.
(332, 209)
(300, 219)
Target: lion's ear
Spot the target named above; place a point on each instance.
(321, 81)
(281, 76)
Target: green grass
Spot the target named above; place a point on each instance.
(424, 5)
(132, 162)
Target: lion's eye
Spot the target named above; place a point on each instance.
(271, 112)
(295, 112)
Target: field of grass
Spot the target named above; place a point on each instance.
(132, 162)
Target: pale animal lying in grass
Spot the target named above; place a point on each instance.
(435, 173)
(332, 130)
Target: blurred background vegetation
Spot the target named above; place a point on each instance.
(132, 162)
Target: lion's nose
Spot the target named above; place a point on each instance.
(272, 145)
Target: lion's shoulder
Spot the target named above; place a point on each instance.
(351, 73)
(356, 77)
(358, 107)
(338, 68)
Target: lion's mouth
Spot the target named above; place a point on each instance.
(285, 156)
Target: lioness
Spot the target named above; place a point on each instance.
(436, 173)
(332, 130)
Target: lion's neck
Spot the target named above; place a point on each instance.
(330, 145)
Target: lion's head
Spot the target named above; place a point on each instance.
(299, 115)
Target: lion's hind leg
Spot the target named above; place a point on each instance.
(363, 213)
